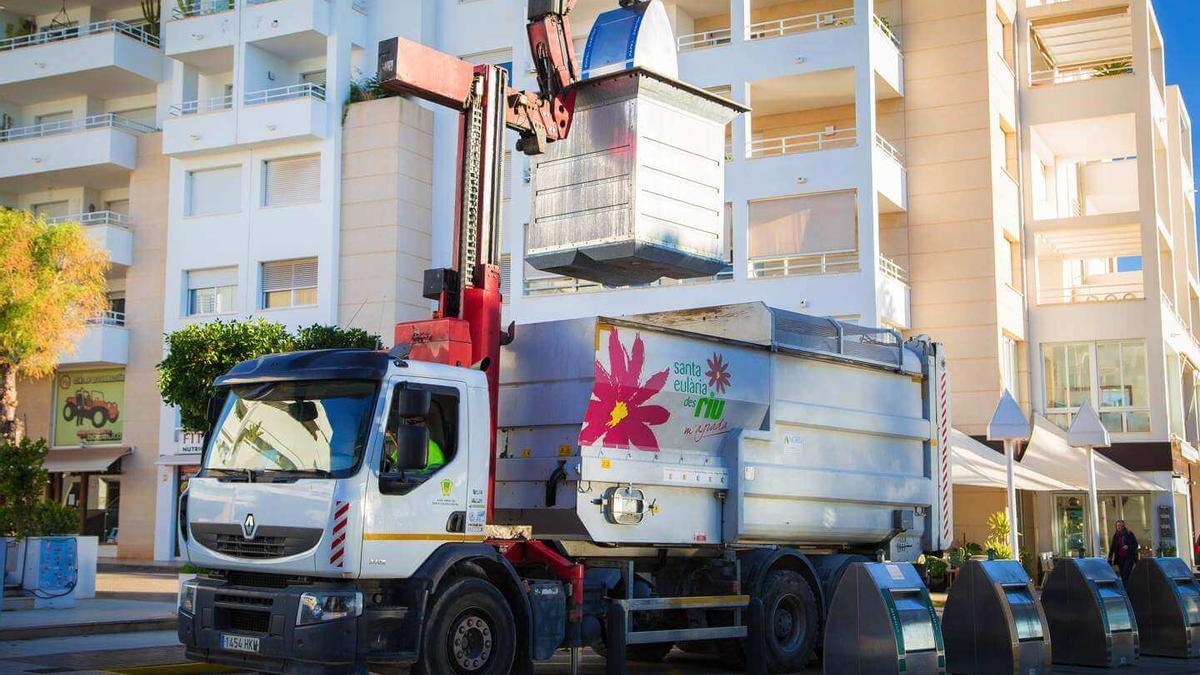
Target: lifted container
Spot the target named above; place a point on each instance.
(993, 623)
(1091, 621)
(1166, 601)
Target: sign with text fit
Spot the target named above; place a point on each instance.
(89, 407)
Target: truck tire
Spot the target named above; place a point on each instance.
(790, 619)
(471, 631)
(69, 412)
(99, 417)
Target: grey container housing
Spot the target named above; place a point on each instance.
(636, 190)
(1091, 621)
(1166, 601)
(993, 623)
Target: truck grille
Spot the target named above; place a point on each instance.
(247, 620)
(269, 541)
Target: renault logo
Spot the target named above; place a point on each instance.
(249, 526)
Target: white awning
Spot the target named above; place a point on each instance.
(185, 459)
(1050, 454)
(973, 463)
(83, 460)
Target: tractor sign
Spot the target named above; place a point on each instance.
(89, 406)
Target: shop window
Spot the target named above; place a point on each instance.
(1111, 375)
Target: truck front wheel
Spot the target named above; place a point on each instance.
(471, 631)
(790, 621)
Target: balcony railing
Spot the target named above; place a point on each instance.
(1110, 292)
(93, 218)
(703, 39)
(305, 90)
(802, 24)
(829, 262)
(72, 32)
(884, 28)
(556, 285)
(1087, 71)
(201, 106)
(109, 318)
(106, 120)
(188, 8)
(796, 143)
(889, 149)
(890, 268)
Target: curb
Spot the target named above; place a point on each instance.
(117, 568)
(93, 628)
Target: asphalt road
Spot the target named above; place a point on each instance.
(157, 653)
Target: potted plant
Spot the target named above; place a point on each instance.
(936, 568)
(26, 515)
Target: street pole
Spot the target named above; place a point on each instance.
(1010, 452)
(1094, 498)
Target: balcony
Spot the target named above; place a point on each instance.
(1080, 47)
(888, 58)
(108, 230)
(105, 59)
(105, 343)
(292, 29)
(97, 151)
(802, 113)
(802, 23)
(199, 30)
(771, 145)
(893, 294)
(891, 177)
(829, 262)
(1077, 266)
(196, 126)
(283, 113)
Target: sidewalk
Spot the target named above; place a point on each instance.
(124, 602)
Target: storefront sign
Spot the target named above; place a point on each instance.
(190, 442)
(89, 407)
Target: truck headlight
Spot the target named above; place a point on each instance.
(319, 606)
(187, 597)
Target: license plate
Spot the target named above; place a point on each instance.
(239, 643)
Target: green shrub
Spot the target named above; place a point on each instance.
(936, 567)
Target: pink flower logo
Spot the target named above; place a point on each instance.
(718, 374)
(617, 411)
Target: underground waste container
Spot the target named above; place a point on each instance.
(1166, 604)
(881, 620)
(992, 622)
(1091, 621)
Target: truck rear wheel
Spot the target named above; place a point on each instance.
(791, 622)
(471, 631)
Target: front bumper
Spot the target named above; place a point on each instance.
(387, 632)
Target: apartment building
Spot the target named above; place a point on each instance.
(217, 149)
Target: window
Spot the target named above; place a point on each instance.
(1008, 365)
(214, 191)
(505, 277)
(442, 423)
(1111, 375)
(293, 180)
(818, 227)
(313, 77)
(289, 283)
(116, 309)
(211, 291)
(118, 206)
(506, 176)
(51, 209)
(1008, 269)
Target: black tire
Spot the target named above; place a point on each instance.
(471, 631)
(791, 621)
(69, 412)
(99, 417)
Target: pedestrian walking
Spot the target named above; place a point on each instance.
(1123, 551)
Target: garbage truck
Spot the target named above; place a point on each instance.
(479, 497)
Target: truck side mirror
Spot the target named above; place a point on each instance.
(413, 402)
(411, 453)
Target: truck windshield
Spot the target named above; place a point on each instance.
(315, 429)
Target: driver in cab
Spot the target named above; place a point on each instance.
(436, 458)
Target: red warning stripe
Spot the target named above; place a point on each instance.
(337, 548)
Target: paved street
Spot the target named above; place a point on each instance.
(151, 650)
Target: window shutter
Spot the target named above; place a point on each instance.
(51, 209)
(507, 177)
(214, 191)
(210, 278)
(505, 276)
(294, 180)
(314, 77)
(120, 206)
(804, 225)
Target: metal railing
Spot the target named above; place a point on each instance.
(557, 285)
(201, 106)
(885, 29)
(72, 32)
(305, 90)
(890, 268)
(106, 120)
(811, 142)
(109, 318)
(1082, 72)
(185, 9)
(708, 38)
(791, 25)
(889, 149)
(1085, 293)
(829, 262)
(93, 218)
